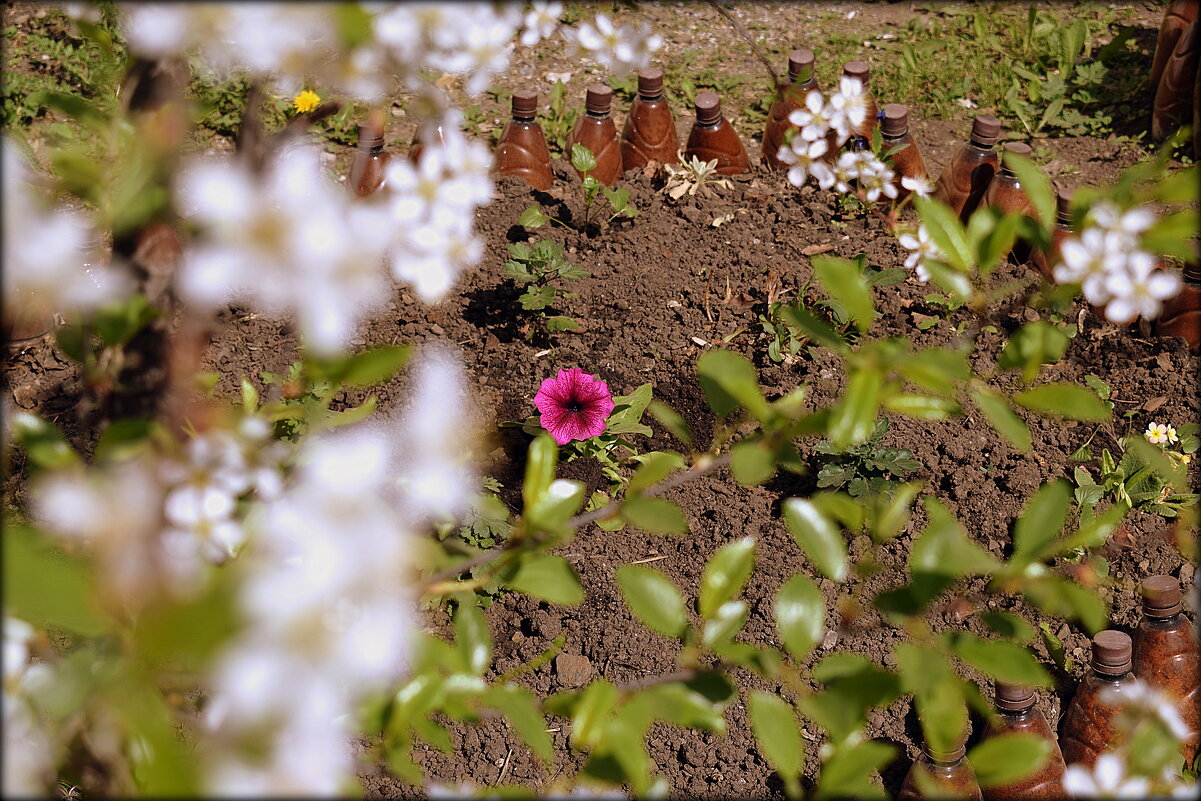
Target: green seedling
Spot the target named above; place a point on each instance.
(538, 267)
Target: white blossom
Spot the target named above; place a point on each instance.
(1107, 779)
(812, 118)
(1139, 290)
(919, 185)
(1138, 699)
(847, 107)
(875, 178)
(806, 158)
(921, 247)
(621, 50)
(541, 21)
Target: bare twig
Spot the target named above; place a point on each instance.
(745, 34)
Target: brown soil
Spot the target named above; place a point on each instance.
(658, 284)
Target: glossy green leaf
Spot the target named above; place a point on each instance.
(892, 518)
(541, 459)
(548, 577)
(800, 612)
(1065, 400)
(848, 771)
(821, 541)
(1008, 758)
(724, 623)
(845, 282)
(42, 442)
(725, 574)
(1008, 625)
(1007, 661)
(44, 586)
(938, 694)
(1061, 598)
(946, 231)
(1037, 186)
(1041, 520)
(944, 547)
(655, 467)
(1032, 346)
(472, 639)
(672, 420)
(752, 463)
(592, 709)
(653, 598)
(654, 514)
(922, 407)
(816, 329)
(1001, 417)
(683, 706)
(582, 158)
(521, 708)
(774, 724)
(853, 418)
(729, 381)
(372, 366)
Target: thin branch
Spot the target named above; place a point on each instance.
(745, 34)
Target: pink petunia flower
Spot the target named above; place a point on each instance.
(574, 405)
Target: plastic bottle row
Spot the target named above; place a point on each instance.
(1163, 654)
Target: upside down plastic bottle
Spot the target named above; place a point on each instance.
(367, 169)
(801, 81)
(1166, 654)
(860, 70)
(967, 175)
(522, 149)
(943, 774)
(713, 137)
(650, 130)
(595, 130)
(1006, 193)
(1016, 714)
(894, 133)
(1087, 730)
(1045, 262)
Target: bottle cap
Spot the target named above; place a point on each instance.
(708, 108)
(896, 120)
(1063, 201)
(857, 69)
(525, 103)
(598, 98)
(1112, 651)
(800, 65)
(650, 82)
(1013, 697)
(944, 757)
(371, 132)
(986, 129)
(1015, 149)
(1161, 596)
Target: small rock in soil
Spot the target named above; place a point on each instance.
(573, 670)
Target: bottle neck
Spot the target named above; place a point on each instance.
(1016, 715)
(978, 145)
(1162, 622)
(597, 115)
(1108, 678)
(650, 98)
(710, 126)
(894, 138)
(523, 120)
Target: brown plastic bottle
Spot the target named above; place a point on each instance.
(1045, 262)
(801, 81)
(1016, 714)
(650, 130)
(907, 162)
(367, 169)
(522, 149)
(1176, 17)
(1087, 729)
(595, 130)
(1006, 194)
(1166, 654)
(948, 773)
(860, 70)
(1174, 93)
(967, 175)
(1181, 315)
(712, 137)
(427, 133)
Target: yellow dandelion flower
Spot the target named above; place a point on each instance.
(306, 101)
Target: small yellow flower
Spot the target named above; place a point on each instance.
(306, 101)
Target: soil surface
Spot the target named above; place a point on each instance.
(664, 288)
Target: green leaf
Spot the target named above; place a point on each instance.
(655, 467)
(582, 158)
(800, 613)
(725, 622)
(1036, 183)
(894, 516)
(853, 685)
(922, 407)
(1002, 418)
(938, 694)
(521, 708)
(592, 709)
(821, 541)
(944, 547)
(532, 217)
(472, 639)
(541, 459)
(800, 317)
(42, 442)
(853, 418)
(627, 412)
(775, 726)
(1065, 400)
(937, 370)
(846, 284)
(1061, 598)
(1007, 758)
(44, 586)
(847, 773)
(1041, 520)
(725, 575)
(1008, 625)
(683, 706)
(946, 231)
(1032, 346)
(1007, 661)
(369, 367)
(729, 381)
(117, 322)
(654, 514)
(672, 420)
(752, 463)
(350, 416)
(550, 578)
(561, 322)
(653, 598)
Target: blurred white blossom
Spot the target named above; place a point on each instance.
(806, 158)
(919, 185)
(847, 107)
(541, 21)
(920, 247)
(49, 253)
(619, 49)
(1139, 701)
(1107, 779)
(28, 750)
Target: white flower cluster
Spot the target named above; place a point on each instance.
(46, 251)
(822, 121)
(289, 242)
(541, 21)
(325, 598)
(1106, 259)
(619, 49)
(431, 208)
(1107, 779)
(153, 521)
(1139, 701)
(27, 744)
(920, 247)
